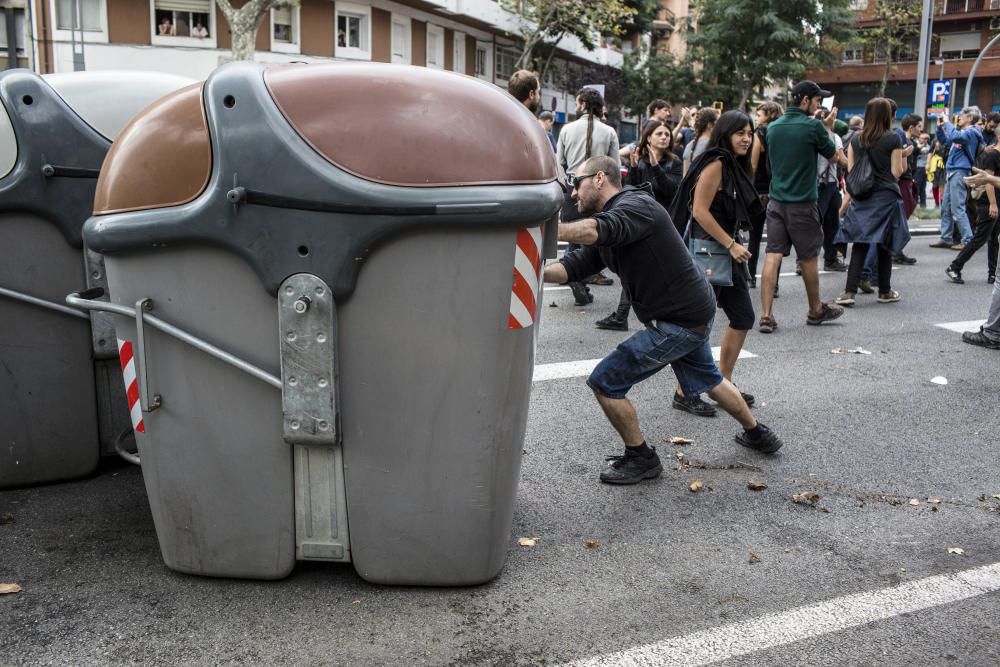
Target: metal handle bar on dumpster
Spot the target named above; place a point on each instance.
(34, 300)
(50, 170)
(242, 195)
(85, 301)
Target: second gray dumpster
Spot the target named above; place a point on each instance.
(368, 240)
(61, 394)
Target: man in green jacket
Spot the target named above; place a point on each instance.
(793, 219)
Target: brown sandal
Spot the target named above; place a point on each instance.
(767, 324)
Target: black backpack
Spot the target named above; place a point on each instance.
(860, 180)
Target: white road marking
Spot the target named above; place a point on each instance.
(780, 629)
(574, 369)
(961, 327)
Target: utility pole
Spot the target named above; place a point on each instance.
(923, 59)
(79, 61)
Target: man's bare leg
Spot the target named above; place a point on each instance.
(810, 276)
(728, 396)
(621, 414)
(768, 279)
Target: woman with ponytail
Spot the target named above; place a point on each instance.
(584, 138)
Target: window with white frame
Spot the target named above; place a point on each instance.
(435, 46)
(285, 30)
(854, 53)
(859, 5)
(506, 57)
(401, 39)
(484, 60)
(16, 16)
(354, 31)
(92, 15)
(458, 57)
(184, 22)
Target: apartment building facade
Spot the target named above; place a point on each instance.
(962, 29)
(192, 38)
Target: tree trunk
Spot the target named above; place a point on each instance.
(885, 72)
(244, 23)
(548, 61)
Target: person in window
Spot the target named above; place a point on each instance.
(653, 165)
(166, 27)
(199, 31)
(878, 218)
(341, 38)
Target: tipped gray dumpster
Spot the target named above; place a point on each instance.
(330, 285)
(62, 402)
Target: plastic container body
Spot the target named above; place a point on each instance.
(432, 374)
(62, 399)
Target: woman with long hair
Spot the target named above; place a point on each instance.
(703, 123)
(879, 217)
(654, 163)
(578, 141)
(718, 201)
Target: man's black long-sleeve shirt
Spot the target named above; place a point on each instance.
(637, 240)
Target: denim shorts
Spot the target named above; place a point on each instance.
(649, 350)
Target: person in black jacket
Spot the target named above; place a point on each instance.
(718, 201)
(654, 163)
(628, 232)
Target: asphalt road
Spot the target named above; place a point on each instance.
(670, 576)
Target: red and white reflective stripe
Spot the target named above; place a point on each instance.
(131, 384)
(527, 268)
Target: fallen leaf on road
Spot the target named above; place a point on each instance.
(355, 601)
(680, 441)
(553, 305)
(837, 350)
(9, 588)
(696, 485)
(756, 486)
(6, 518)
(754, 558)
(939, 380)
(592, 544)
(956, 550)
(914, 502)
(859, 350)
(788, 551)
(996, 496)
(806, 497)
(679, 456)
(528, 541)
(934, 501)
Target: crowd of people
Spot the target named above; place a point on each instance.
(680, 214)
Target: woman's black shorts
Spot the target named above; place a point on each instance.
(735, 300)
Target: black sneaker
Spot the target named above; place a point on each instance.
(768, 443)
(955, 276)
(631, 467)
(694, 405)
(903, 259)
(753, 282)
(748, 399)
(990, 279)
(980, 339)
(612, 323)
(599, 279)
(836, 265)
(798, 268)
(581, 293)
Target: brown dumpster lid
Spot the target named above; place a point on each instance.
(163, 157)
(412, 126)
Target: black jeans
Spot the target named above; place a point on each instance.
(756, 234)
(829, 203)
(858, 253)
(986, 232)
(920, 178)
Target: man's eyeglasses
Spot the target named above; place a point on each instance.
(575, 181)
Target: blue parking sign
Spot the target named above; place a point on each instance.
(940, 93)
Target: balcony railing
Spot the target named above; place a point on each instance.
(964, 6)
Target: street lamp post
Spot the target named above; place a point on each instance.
(923, 59)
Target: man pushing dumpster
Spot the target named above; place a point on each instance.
(628, 232)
